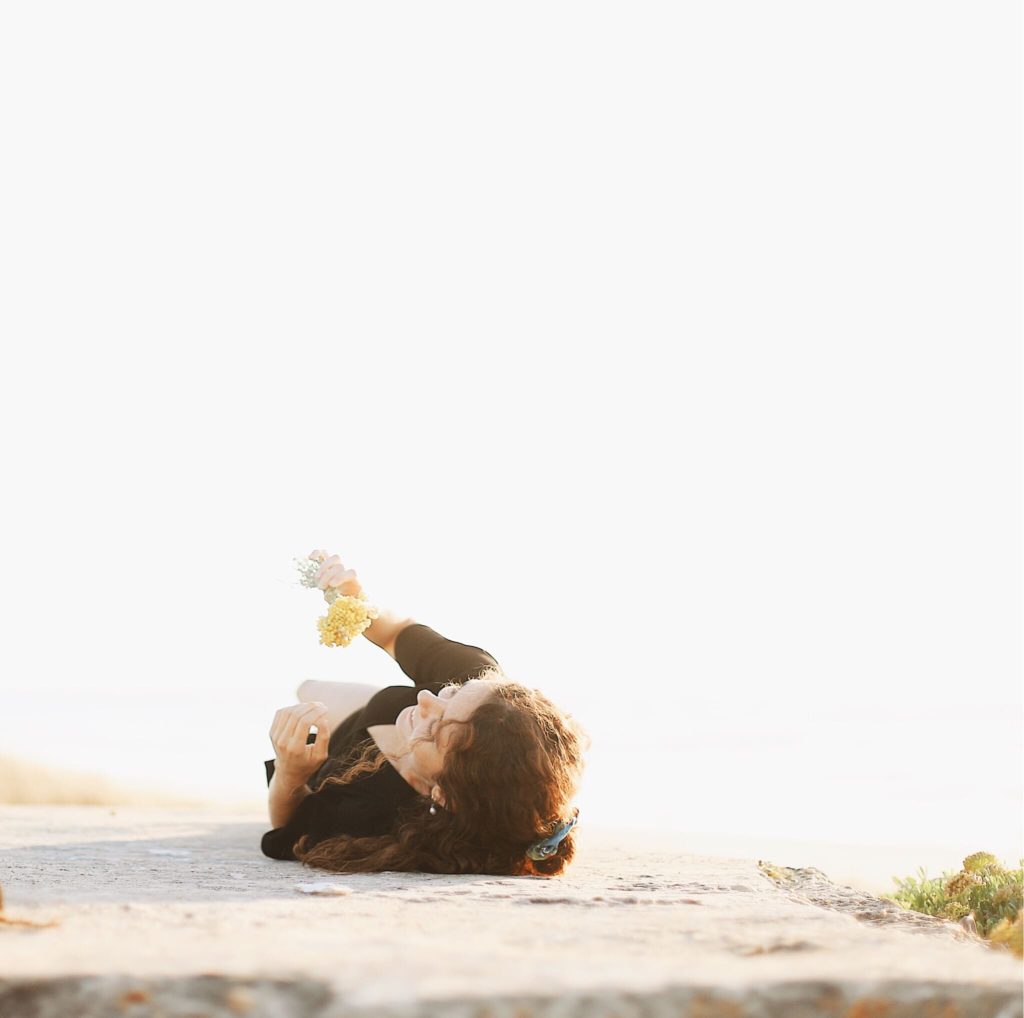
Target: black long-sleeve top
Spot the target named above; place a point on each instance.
(370, 805)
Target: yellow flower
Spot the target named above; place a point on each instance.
(981, 861)
(961, 882)
(346, 619)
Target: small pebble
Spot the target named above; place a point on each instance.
(323, 887)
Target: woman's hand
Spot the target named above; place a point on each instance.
(333, 574)
(296, 761)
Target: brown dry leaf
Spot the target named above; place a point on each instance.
(8, 921)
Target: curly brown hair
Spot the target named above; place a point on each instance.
(511, 771)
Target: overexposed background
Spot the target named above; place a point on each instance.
(669, 352)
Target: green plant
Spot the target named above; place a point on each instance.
(984, 889)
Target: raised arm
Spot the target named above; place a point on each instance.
(427, 657)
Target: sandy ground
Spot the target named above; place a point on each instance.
(159, 893)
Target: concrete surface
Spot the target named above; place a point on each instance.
(177, 913)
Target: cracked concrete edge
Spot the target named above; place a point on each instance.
(808, 885)
(214, 996)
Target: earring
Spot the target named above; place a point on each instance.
(433, 809)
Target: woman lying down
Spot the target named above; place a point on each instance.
(463, 772)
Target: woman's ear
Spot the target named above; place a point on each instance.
(438, 796)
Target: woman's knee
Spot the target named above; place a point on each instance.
(331, 692)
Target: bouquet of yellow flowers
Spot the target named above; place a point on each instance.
(348, 612)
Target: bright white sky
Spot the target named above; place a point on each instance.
(667, 351)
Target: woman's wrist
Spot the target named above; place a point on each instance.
(384, 629)
(284, 795)
(287, 782)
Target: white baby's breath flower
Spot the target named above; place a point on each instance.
(308, 568)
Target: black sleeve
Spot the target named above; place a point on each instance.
(321, 815)
(428, 658)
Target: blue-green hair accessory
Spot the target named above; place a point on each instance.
(548, 846)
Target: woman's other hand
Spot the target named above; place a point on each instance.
(333, 574)
(295, 760)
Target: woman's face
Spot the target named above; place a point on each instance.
(426, 727)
